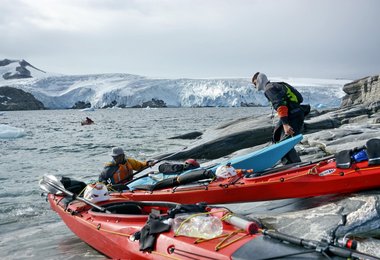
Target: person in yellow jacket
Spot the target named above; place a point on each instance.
(120, 169)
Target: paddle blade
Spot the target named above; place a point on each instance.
(46, 184)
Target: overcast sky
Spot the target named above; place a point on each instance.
(195, 38)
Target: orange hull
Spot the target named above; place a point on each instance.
(111, 235)
(312, 180)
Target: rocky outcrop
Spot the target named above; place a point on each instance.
(154, 103)
(364, 91)
(81, 105)
(192, 135)
(17, 99)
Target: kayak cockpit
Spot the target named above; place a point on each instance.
(135, 208)
(190, 177)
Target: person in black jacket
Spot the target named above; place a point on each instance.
(286, 100)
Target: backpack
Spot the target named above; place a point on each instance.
(292, 94)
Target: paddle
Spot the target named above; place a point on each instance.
(51, 184)
(323, 247)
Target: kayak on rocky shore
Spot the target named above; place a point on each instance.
(124, 229)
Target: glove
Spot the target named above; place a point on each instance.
(150, 163)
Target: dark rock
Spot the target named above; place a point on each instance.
(228, 138)
(17, 99)
(318, 123)
(374, 106)
(315, 218)
(154, 103)
(191, 135)
(243, 104)
(81, 105)
(5, 62)
(21, 71)
(363, 91)
(365, 220)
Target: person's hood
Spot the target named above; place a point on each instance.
(262, 80)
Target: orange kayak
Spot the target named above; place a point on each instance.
(303, 181)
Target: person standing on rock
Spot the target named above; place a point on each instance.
(286, 100)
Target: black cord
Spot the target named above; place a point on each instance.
(287, 255)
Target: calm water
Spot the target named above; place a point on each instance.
(56, 143)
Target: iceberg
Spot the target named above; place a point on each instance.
(10, 132)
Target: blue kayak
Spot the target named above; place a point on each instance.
(259, 160)
(264, 158)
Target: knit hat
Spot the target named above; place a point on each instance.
(116, 151)
(262, 80)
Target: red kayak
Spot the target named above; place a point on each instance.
(163, 230)
(303, 181)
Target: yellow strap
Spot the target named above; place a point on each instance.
(222, 244)
(165, 255)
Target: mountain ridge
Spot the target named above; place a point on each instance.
(58, 91)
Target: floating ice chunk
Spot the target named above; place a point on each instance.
(9, 132)
(88, 109)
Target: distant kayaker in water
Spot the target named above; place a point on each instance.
(87, 121)
(286, 101)
(120, 169)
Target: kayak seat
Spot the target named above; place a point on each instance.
(373, 151)
(72, 185)
(343, 159)
(125, 208)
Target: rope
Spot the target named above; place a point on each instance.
(82, 191)
(97, 227)
(222, 243)
(228, 215)
(174, 250)
(165, 255)
(314, 171)
(359, 170)
(200, 240)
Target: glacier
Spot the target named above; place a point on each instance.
(57, 91)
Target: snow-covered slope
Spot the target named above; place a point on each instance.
(62, 91)
(18, 69)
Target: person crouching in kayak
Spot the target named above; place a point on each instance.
(286, 100)
(120, 169)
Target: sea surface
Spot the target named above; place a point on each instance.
(56, 143)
